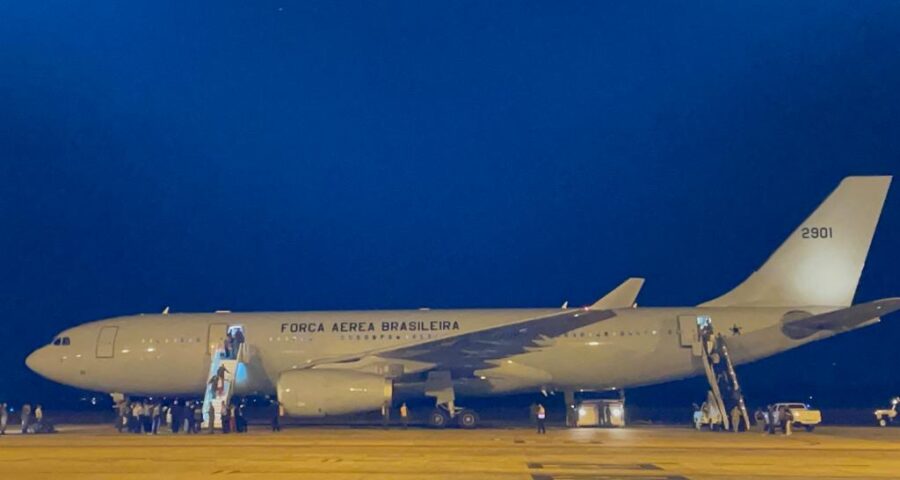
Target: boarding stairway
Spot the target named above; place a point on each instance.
(723, 381)
(214, 396)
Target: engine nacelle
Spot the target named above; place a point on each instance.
(316, 393)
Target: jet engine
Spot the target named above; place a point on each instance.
(316, 393)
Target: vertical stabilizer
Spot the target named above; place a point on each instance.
(821, 262)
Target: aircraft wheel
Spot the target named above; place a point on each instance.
(467, 419)
(810, 428)
(437, 419)
(882, 422)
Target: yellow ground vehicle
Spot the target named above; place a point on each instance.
(886, 416)
(803, 415)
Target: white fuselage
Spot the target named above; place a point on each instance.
(168, 355)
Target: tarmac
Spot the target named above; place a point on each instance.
(342, 453)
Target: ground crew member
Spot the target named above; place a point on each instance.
(38, 414)
(385, 415)
(541, 417)
(404, 415)
(736, 419)
(770, 424)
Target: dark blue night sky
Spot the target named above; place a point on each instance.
(342, 155)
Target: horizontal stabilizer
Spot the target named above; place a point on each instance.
(839, 320)
(622, 296)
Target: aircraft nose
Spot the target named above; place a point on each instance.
(35, 363)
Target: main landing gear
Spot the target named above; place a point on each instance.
(441, 417)
(440, 386)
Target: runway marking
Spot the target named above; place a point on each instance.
(631, 467)
(586, 465)
(579, 476)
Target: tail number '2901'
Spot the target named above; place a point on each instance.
(816, 232)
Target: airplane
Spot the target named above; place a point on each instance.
(342, 362)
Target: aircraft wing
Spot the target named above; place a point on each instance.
(840, 320)
(472, 350)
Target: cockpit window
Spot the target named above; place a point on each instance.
(57, 341)
(65, 340)
(62, 341)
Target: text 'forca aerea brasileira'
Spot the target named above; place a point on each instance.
(352, 327)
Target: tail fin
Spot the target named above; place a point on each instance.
(820, 263)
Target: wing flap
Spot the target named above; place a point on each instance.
(474, 350)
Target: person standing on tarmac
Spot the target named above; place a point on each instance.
(232, 419)
(736, 419)
(121, 415)
(196, 414)
(787, 420)
(155, 417)
(276, 417)
(38, 414)
(177, 416)
(541, 418)
(212, 418)
(385, 415)
(761, 419)
(187, 417)
(26, 417)
(404, 415)
(225, 417)
(241, 420)
(4, 418)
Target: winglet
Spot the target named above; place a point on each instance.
(622, 296)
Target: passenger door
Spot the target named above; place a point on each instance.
(216, 337)
(106, 342)
(688, 333)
